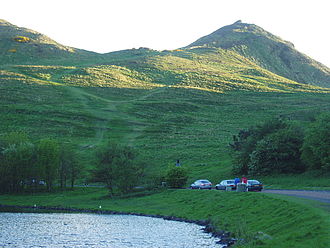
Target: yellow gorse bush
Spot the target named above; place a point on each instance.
(22, 39)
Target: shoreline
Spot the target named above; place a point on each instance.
(224, 237)
(255, 220)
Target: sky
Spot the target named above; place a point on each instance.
(111, 25)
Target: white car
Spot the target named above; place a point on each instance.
(226, 183)
(201, 184)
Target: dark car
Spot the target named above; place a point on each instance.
(226, 183)
(254, 185)
(201, 184)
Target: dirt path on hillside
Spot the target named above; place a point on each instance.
(321, 196)
(112, 110)
(108, 110)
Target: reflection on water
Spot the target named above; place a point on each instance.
(91, 230)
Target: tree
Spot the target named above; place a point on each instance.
(316, 146)
(48, 160)
(176, 176)
(69, 167)
(272, 147)
(243, 144)
(23, 164)
(75, 169)
(117, 167)
(278, 153)
(16, 161)
(65, 160)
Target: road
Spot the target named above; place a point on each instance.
(317, 195)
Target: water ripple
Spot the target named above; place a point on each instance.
(91, 230)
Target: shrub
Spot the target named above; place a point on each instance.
(176, 176)
(22, 39)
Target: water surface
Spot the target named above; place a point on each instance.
(92, 230)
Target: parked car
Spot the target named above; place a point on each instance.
(201, 184)
(254, 185)
(226, 183)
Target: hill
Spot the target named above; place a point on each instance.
(268, 51)
(182, 104)
(22, 45)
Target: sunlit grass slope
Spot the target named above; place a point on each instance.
(22, 45)
(269, 51)
(172, 105)
(180, 104)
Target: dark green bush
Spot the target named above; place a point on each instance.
(117, 167)
(176, 176)
(273, 147)
(316, 147)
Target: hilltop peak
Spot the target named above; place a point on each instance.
(268, 51)
(236, 34)
(2, 21)
(21, 45)
(239, 21)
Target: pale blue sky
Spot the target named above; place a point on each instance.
(107, 25)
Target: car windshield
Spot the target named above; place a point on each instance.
(204, 181)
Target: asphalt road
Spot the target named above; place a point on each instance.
(316, 195)
(322, 196)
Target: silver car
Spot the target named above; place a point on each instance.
(226, 183)
(201, 184)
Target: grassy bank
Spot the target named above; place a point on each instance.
(277, 221)
(305, 181)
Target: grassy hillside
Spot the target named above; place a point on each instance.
(268, 51)
(183, 104)
(165, 122)
(22, 45)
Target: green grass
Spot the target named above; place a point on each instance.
(183, 104)
(284, 222)
(89, 105)
(307, 180)
(268, 51)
